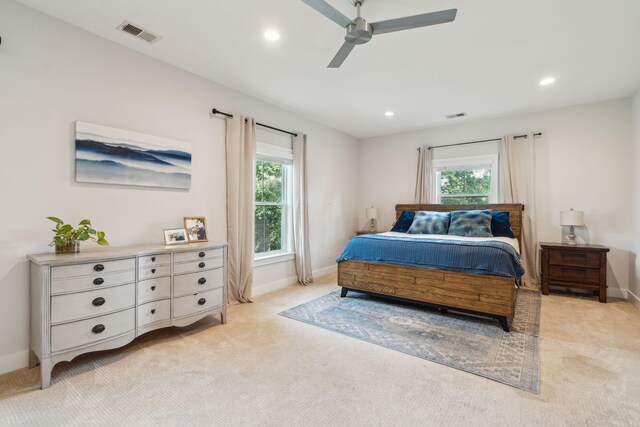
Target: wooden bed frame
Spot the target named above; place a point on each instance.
(492, 296)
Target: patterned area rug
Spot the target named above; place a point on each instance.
(469, 343)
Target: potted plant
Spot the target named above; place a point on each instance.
(67, 238)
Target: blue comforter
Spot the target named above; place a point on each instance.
(477, 257)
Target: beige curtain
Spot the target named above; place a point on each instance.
(300, 210)
(240, 152)
(423, 176)
(517, 185)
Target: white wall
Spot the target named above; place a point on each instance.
(582, 161)
(52, 74)
(634, 271)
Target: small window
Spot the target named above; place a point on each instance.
(464, 180)
(272, 207)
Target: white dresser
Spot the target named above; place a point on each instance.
(103, 299)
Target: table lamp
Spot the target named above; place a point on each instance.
(372, 214)
(572, 219)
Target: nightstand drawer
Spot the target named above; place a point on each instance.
(589, 276)
(574, 258)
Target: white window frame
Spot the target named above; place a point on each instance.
(286, 252)
(469, 162)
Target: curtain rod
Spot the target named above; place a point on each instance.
(216, 111)
(484, 140)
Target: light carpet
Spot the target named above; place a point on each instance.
(469, 343)
(262, 369)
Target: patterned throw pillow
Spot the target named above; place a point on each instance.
(471, 223)
(426, 222)
(404, 222)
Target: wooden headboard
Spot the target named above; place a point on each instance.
(515, 212)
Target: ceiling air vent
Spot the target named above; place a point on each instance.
(456, 116)
(138, 32)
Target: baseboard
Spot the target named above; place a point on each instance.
(14, 361)
(289, 281)
(633, 299)
(617, 293)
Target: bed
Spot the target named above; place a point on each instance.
(476, 291)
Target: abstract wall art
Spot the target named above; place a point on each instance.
(107, 155)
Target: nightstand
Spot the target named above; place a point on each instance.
(361, 232)
(575, 266)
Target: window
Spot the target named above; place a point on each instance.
(466, 180)
(273, 229)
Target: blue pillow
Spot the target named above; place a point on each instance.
(475, 223)
(404, 221)
(426, 222)
(500, 225)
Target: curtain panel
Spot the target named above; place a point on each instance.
(423, 189)
(301, 211)
(240, 161)
(517, 185)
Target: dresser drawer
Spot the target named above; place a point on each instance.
(153, 312)
(152, 260)
(575, 259)
(93, 268)
(197, 282)
(91, 303)
(152, 272)
(88, 331)
(200, 265)
(153, 289)
(192, 304)
(93, 281)
(197, 255)
(589, 276)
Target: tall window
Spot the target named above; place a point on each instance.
(273, 213)
(466, 180)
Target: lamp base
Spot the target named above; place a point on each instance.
(571, 237)
(372, 225)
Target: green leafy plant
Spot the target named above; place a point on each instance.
(66, 233)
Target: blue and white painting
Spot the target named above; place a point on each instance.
(114, 156)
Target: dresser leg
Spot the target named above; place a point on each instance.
(223, 317)
(602, 297)
(45, 372)
(33, 359)
(545, 287)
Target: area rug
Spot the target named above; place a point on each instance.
(468, 343)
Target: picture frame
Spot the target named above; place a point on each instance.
(175, 236)
(196, 227)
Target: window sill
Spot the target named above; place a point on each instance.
(273, 259)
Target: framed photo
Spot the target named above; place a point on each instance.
(175, 236)
(196, 227)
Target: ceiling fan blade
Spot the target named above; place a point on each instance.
(342, 54)
(414, 21)
(329, 11)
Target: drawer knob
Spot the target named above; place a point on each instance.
(202, 280)
(202, 301)
(98, 267)
(98, 329)
(153, 288)
(98, 301)
(201, 265)
(153, 259)
(153, 311)
(153, 271)
(98, 281)
(201, 254)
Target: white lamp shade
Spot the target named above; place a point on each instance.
(572, 217)
(372, 213)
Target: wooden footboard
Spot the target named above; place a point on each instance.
(493, 295)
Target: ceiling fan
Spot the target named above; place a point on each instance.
(360, 31)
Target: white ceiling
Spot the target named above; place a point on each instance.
(487, 63)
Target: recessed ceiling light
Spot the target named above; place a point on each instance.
(389, 114)
(272, 35)
(547, 81)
